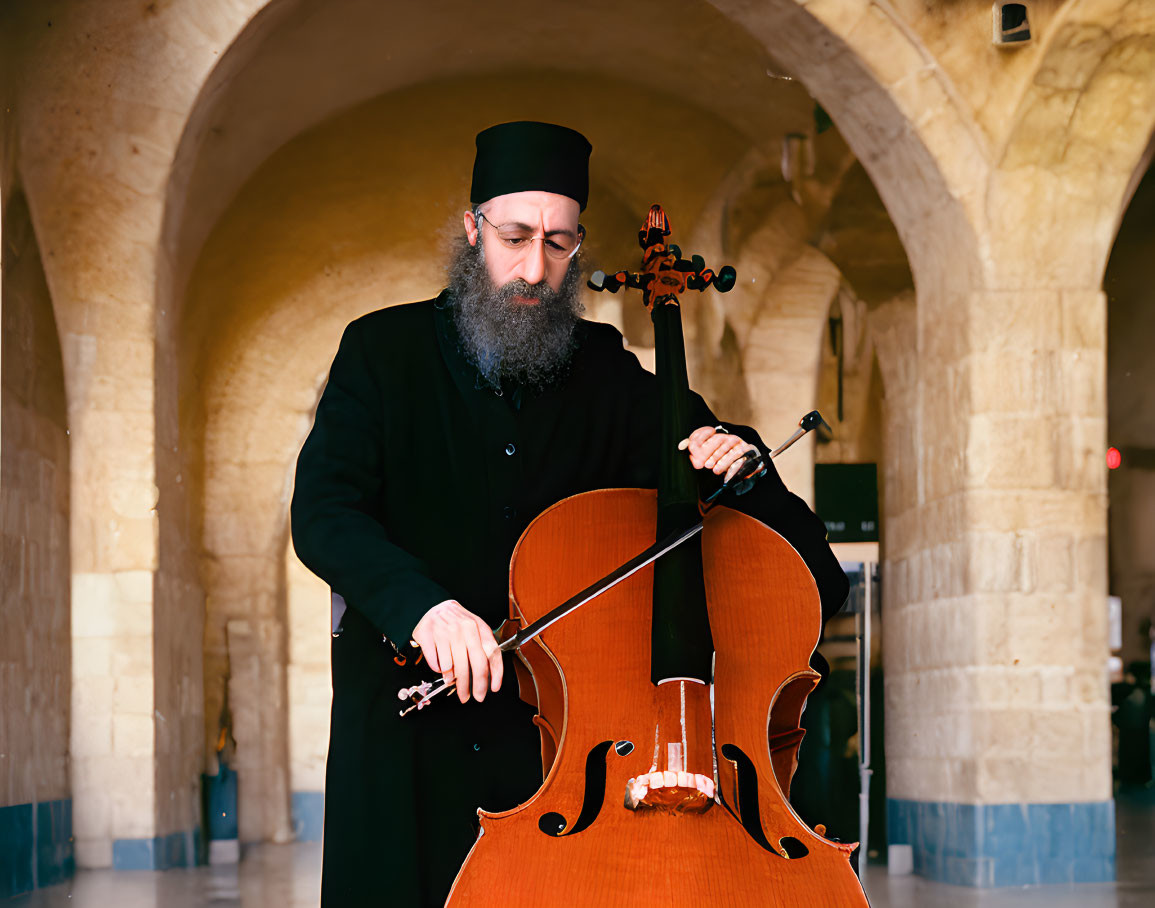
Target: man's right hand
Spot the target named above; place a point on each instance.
(461, 646)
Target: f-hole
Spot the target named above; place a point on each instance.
(555, 825)
(747, 807)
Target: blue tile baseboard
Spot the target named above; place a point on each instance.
(35, 846)
(177, 849)
(308, 815)
(988, 845)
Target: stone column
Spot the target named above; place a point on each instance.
(101, 109)
(998, 738)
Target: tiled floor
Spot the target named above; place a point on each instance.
(288, 876)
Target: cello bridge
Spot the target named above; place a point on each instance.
(670, 792)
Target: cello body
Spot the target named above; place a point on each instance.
(574, 842)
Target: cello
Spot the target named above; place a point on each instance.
(668, 767)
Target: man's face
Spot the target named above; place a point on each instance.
(542, 214)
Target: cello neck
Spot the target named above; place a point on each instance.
(681, 645)
(677, 485)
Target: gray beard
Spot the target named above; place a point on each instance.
(507, 341)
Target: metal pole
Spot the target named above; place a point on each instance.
(864, 770)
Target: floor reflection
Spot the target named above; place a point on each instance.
(288, 876)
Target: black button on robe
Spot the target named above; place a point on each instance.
(412, 488)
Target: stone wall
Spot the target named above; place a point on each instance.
(215, 199)
(36, 652)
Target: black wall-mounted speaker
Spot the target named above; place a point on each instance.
(1010, 24)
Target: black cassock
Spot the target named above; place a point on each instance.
(412, 488)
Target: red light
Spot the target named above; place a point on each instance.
(1114, 459)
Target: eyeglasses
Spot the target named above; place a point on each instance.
(558, 245)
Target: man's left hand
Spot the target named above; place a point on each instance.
(711, 448)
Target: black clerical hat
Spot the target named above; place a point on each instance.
(527, 156)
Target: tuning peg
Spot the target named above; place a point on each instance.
(676, 250)
(725, 279)
(599, 281)
(698, 263)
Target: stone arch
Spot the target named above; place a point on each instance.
(799, 245)
(267, 92)
(256, 325)
(1079, 136)
(901, 115)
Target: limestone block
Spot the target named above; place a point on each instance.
(1054, 683)
(1089, 688)
(1012, 452)
(933, 775)
(1021, 510)
(239, 574)
(133, 695)
(91, 730)
(959, 147)
(93, 599)
(900, 539)
(116, 615)
(1057, 732)
(92, 813)
(940, 636)
(840, 16)
(888, 53)
(133, 736)
(133, 498)
(309, 686)
(1096, 750)
(918, 89)
(113, 443)
(1001, 778)
(1101, 131)
(1004, 732)
(262, 605)
(1005, 382)
(989, 635)
(132, 655)
(1036, 139)
(1054, 778)
(1080, 464)
(1016, 687)
(1051, 559)
(994, 562)
(1081, 382)
(238, 531)
(1028, 244)
(1084, 314)
(1014, 321)
(91, 657)
(93, 697)
(121, 374)
(1043, 630)
(896, 575)
(134, 806)
(901, 776)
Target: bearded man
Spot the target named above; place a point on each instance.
(446, 426)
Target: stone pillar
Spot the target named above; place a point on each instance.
(101, 107)
(310, 695)
(35, 651)
(998, 737)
